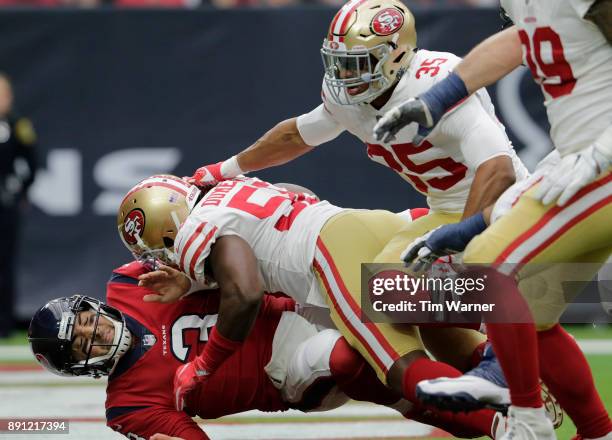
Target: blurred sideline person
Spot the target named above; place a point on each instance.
(563, 218)
(371, 64)
(248, 236)
(284, 363)
(17, 170)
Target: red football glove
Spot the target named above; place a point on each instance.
(186, 378)
(210, 175)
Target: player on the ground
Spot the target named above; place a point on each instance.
(371, 64)
(248, 236)
(566, 45)
(284, 363)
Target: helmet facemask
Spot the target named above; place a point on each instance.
(51, 336)
(368, 47)
(106, 363)
(348, 70)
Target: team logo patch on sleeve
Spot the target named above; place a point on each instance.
(387, 22)
(133, 226)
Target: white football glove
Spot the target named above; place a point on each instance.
(574, 172)
(413, 110)
(418, 253)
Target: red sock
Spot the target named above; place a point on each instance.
(566, 372)
(516, 347)
(356, 378)
(477, 422)
(511, 330)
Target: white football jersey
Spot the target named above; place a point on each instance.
(572, 61)
(281, 227)
(443, 166)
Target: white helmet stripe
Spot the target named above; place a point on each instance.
(169, 182)
(342, 18)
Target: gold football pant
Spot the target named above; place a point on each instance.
(410, 232)
(548, 246)
(346, 241)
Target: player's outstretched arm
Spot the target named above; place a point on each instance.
(445, 240)
(600, 13)
(492, 59)
(280, 145)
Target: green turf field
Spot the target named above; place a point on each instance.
(601, 364)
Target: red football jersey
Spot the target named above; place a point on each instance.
(140, 400)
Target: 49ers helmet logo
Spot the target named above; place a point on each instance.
(387, 21)
(133, 225)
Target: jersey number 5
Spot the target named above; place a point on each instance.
(262, 200)
(558, 68)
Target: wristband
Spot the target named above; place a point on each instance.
(457, 236)
(472, 226)
(230, 168)
(444, 95)
(216, 351)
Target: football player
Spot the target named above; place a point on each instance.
(249, 236)
(563, 217)
(284, 363)
(372, 63)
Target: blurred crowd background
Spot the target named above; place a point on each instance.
(219, 3)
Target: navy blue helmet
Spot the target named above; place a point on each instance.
(51, 336)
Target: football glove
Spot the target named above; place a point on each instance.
(210, 175)
(426, 110)
(573, 173)
(444, 240)
(186, 378)
(413, 110)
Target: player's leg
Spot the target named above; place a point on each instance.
(395, 353)
(462, 348)
(562, 362)
(325, 370)
(535, 234)
(410, 232)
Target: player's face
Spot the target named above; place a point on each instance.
(83, 336)
(348, 72)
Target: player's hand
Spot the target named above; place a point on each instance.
(208, 175)
(186, 378)
(169, 283)
(421, 254)
(164, 437)
(573, 173)
(413, 110)
(444, 240)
